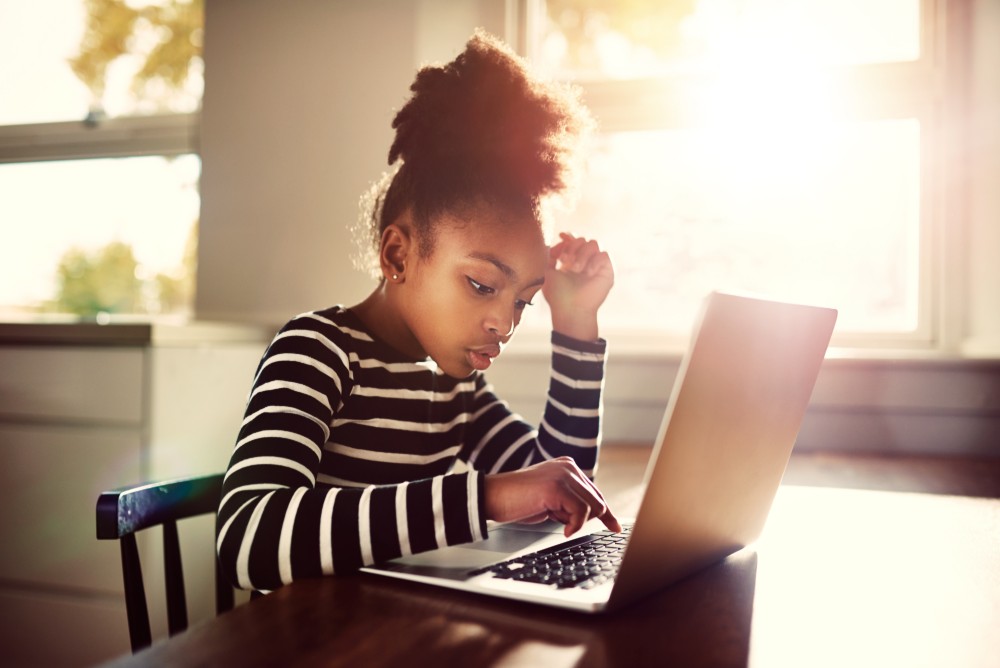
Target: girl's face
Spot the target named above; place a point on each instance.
(465, 299)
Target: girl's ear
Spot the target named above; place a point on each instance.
(394, 248)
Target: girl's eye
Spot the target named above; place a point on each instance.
(479, 287)
(486, 290)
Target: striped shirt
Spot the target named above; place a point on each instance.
(347, 451)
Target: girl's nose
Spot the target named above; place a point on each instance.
(501, 323)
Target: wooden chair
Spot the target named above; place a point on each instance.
(122, 512)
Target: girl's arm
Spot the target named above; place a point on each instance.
(548, 473)
(577, 281)
(276, 524)
(500, 440)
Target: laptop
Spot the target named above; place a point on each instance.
(732, 419)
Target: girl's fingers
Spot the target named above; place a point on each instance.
(593, 505)
(555, 489)
(574, 253)
(598, 507)
(555, 252)
(597, 263)
(571, 248)
(583, 255)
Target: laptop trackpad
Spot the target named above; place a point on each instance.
(456, 561)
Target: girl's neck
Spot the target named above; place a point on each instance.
(380, 316)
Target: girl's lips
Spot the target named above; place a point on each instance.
(481, 358)
(479, 361)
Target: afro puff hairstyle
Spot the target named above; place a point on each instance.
(478, 129)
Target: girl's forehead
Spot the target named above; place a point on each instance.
(517, 240)
(482, 221)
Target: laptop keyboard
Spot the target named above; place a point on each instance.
(584, 562)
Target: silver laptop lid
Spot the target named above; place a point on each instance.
(733, 416)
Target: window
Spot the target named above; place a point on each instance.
(771, 146)
(98, 159)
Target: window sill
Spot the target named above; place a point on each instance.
(127, 333)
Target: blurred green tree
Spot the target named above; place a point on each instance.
(175, 293)
(99, 282)
(116, 28)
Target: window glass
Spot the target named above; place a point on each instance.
(825, 214)
(106, 236)
(66, 58)
(751, 165)
(586, 39)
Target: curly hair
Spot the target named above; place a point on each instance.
(478, 129)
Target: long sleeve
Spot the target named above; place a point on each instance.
(500, 440)
(277, 519)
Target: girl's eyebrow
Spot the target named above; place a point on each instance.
(506, 269)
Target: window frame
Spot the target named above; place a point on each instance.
(932, 89)
(121, 137)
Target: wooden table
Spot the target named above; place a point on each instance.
(839, 578)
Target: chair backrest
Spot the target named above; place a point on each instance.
(122, 512)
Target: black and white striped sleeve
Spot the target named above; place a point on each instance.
(500, 440)
(276, 524)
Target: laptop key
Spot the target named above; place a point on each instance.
(585, 562)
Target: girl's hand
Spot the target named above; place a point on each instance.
(556, 489)
(577, 281)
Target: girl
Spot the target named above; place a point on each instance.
(358, 416)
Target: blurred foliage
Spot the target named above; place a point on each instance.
(100, 282)
(176, 293)
(109, 281)
(115, 28)
(653, 24)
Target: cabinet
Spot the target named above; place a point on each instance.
(84, 408)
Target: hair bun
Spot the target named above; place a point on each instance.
(483, 115)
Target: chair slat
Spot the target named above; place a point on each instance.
(135, 595)
(177, 620)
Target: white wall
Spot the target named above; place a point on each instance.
(296, 119)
